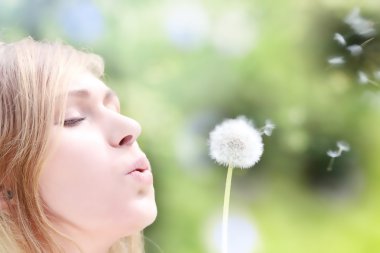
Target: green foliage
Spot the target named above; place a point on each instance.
(178, 94)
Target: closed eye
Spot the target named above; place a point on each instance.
(72, 122)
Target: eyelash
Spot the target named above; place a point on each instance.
(72, 122)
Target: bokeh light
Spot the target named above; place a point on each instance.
(180, 67)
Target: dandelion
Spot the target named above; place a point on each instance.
(342, 147)
(340, 39)
(336, 60)
(237, 144)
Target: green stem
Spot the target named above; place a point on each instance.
(226, 209)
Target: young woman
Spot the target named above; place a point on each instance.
(72, 176)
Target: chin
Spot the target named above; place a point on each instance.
(142, 222)
(146, 216)
(153, 215)
(150, 215)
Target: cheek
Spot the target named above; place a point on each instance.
(80, 184)
(75, 176)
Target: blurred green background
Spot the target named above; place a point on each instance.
(180, 67)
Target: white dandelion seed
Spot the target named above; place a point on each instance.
(336, 60)
(340, 39)
(362, 77)
(333, 153)
(342, 147)
(355, 50)
(360, 25)
(268, 128)
(235, 143)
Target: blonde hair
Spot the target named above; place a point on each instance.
(33, 90)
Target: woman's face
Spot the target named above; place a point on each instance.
(97, 181)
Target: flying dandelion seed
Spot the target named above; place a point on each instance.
(237, 144)
(355, 50)
(358, 54)
(333, 154)
(342, 147)
(337, 60)
(362, 77)
(340, 39)
(268, 128)
(359, 25)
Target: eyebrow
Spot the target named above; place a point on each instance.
(109, 94)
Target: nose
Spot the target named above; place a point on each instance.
(123, 131)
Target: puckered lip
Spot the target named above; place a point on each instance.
(141, 164)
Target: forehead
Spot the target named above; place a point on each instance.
(87, 81)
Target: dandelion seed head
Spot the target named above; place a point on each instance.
(333, 153)
(344, 146)
(236, 142)
(355, 50)
(340, 39)
(337, 60)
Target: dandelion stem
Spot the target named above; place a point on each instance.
(226, 209)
